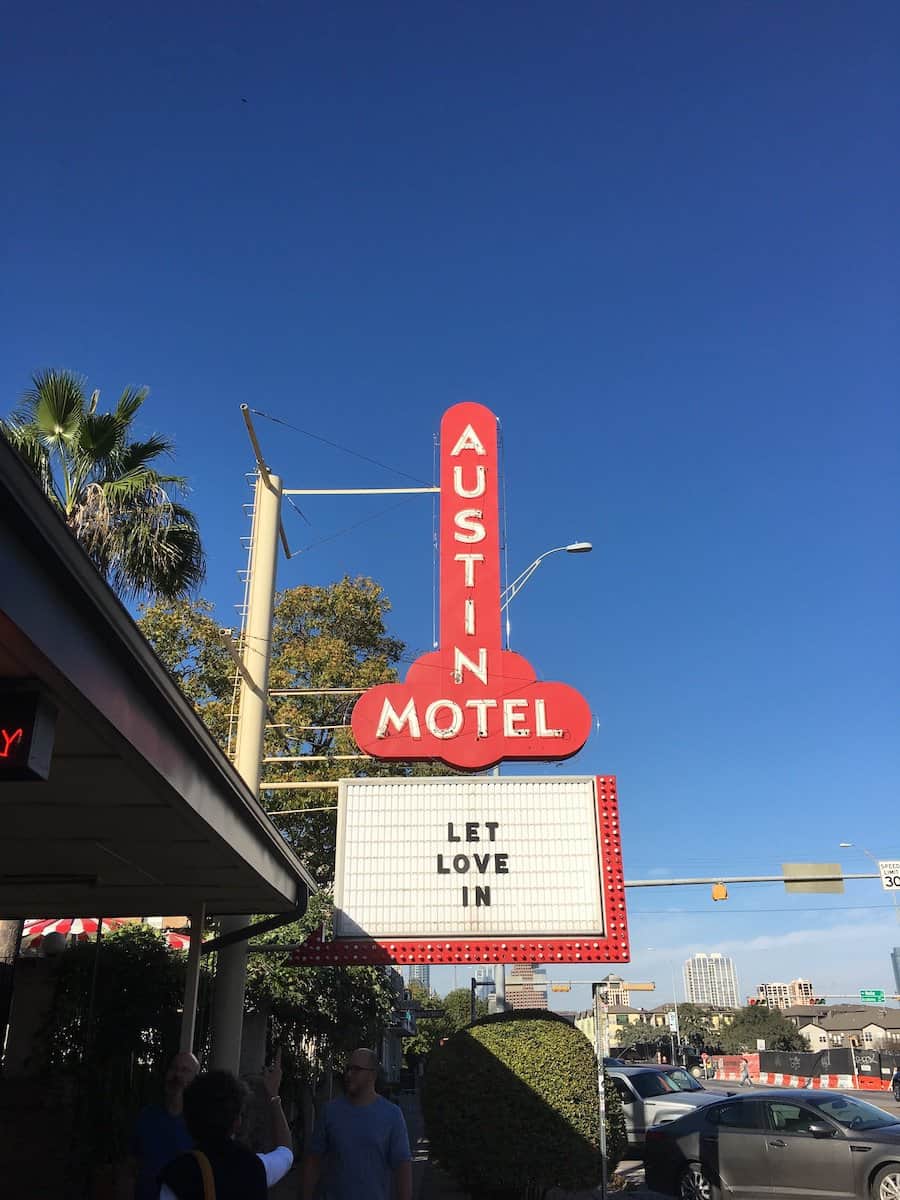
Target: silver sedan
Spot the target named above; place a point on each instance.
(774, 1144)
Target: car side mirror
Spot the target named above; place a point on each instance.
(820, 1130)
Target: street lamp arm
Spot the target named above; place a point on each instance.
(519, 582)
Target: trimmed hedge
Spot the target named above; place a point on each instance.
(510, 1104)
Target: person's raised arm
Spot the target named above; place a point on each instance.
(281, 1132)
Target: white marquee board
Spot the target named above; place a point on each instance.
(407, 865)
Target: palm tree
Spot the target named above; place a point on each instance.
(120, 507)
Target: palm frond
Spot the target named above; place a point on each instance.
(155, 548)
(129, 404)
(23, 439)
(56, 406)
(99, 438)
(135, 455)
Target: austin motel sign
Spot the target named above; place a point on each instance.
(474, 868)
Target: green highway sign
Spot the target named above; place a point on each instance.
(871, 996)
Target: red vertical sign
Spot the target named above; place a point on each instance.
(471, 704)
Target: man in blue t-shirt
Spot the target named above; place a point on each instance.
(364, 1140)
(160, 1133)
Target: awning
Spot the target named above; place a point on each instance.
(84, 929)
(142, 812)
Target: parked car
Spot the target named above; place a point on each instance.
(614, 1062)
(895, 1085)
(797, 1143)
(653, 1095)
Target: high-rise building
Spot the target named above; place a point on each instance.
(785, 995)
(521, 989)
(895, 963)
(486, 976)
(420, 973)
(711, 979)
(801, 992)
(775, 995)
(614, 990)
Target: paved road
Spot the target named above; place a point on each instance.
(883, 1100)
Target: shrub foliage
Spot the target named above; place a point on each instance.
(510, 1106)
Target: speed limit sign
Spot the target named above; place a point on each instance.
(890, 876)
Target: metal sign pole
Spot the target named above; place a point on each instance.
(600, 1051)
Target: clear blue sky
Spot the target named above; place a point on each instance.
(660, 241)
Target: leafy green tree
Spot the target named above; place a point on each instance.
(322, 637)
(111, 1028)
(430, 1031)
(640, 1033)
(121, 507)
(186, 636)
(318, 1013)
(695, 1025)
(458, 1006)
(759, 1021)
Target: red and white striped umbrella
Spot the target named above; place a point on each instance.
(177, 941)
(83, 929)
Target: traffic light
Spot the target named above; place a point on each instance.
(719, 891)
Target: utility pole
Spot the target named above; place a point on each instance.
(231, 970)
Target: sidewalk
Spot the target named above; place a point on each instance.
(431, 1183)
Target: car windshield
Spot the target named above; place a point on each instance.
(684, 1081)
(853, 1113)
(649, 1084)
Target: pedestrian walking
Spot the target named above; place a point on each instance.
(746, 1081)
(219, 1168)
(362, 1140)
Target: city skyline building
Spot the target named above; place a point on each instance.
(711, 979)
(486, 975)
(801, 992)
(614, 990)
(521, 987)
(420, 973)
(785, 995)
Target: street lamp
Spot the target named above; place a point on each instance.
(870, 855)
(519, 582)
(855, 846)
(676, 1032)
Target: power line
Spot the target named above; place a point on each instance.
(703, 912)
(337, 446)
(349, 528)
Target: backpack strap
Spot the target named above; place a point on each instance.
(209, 1183)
